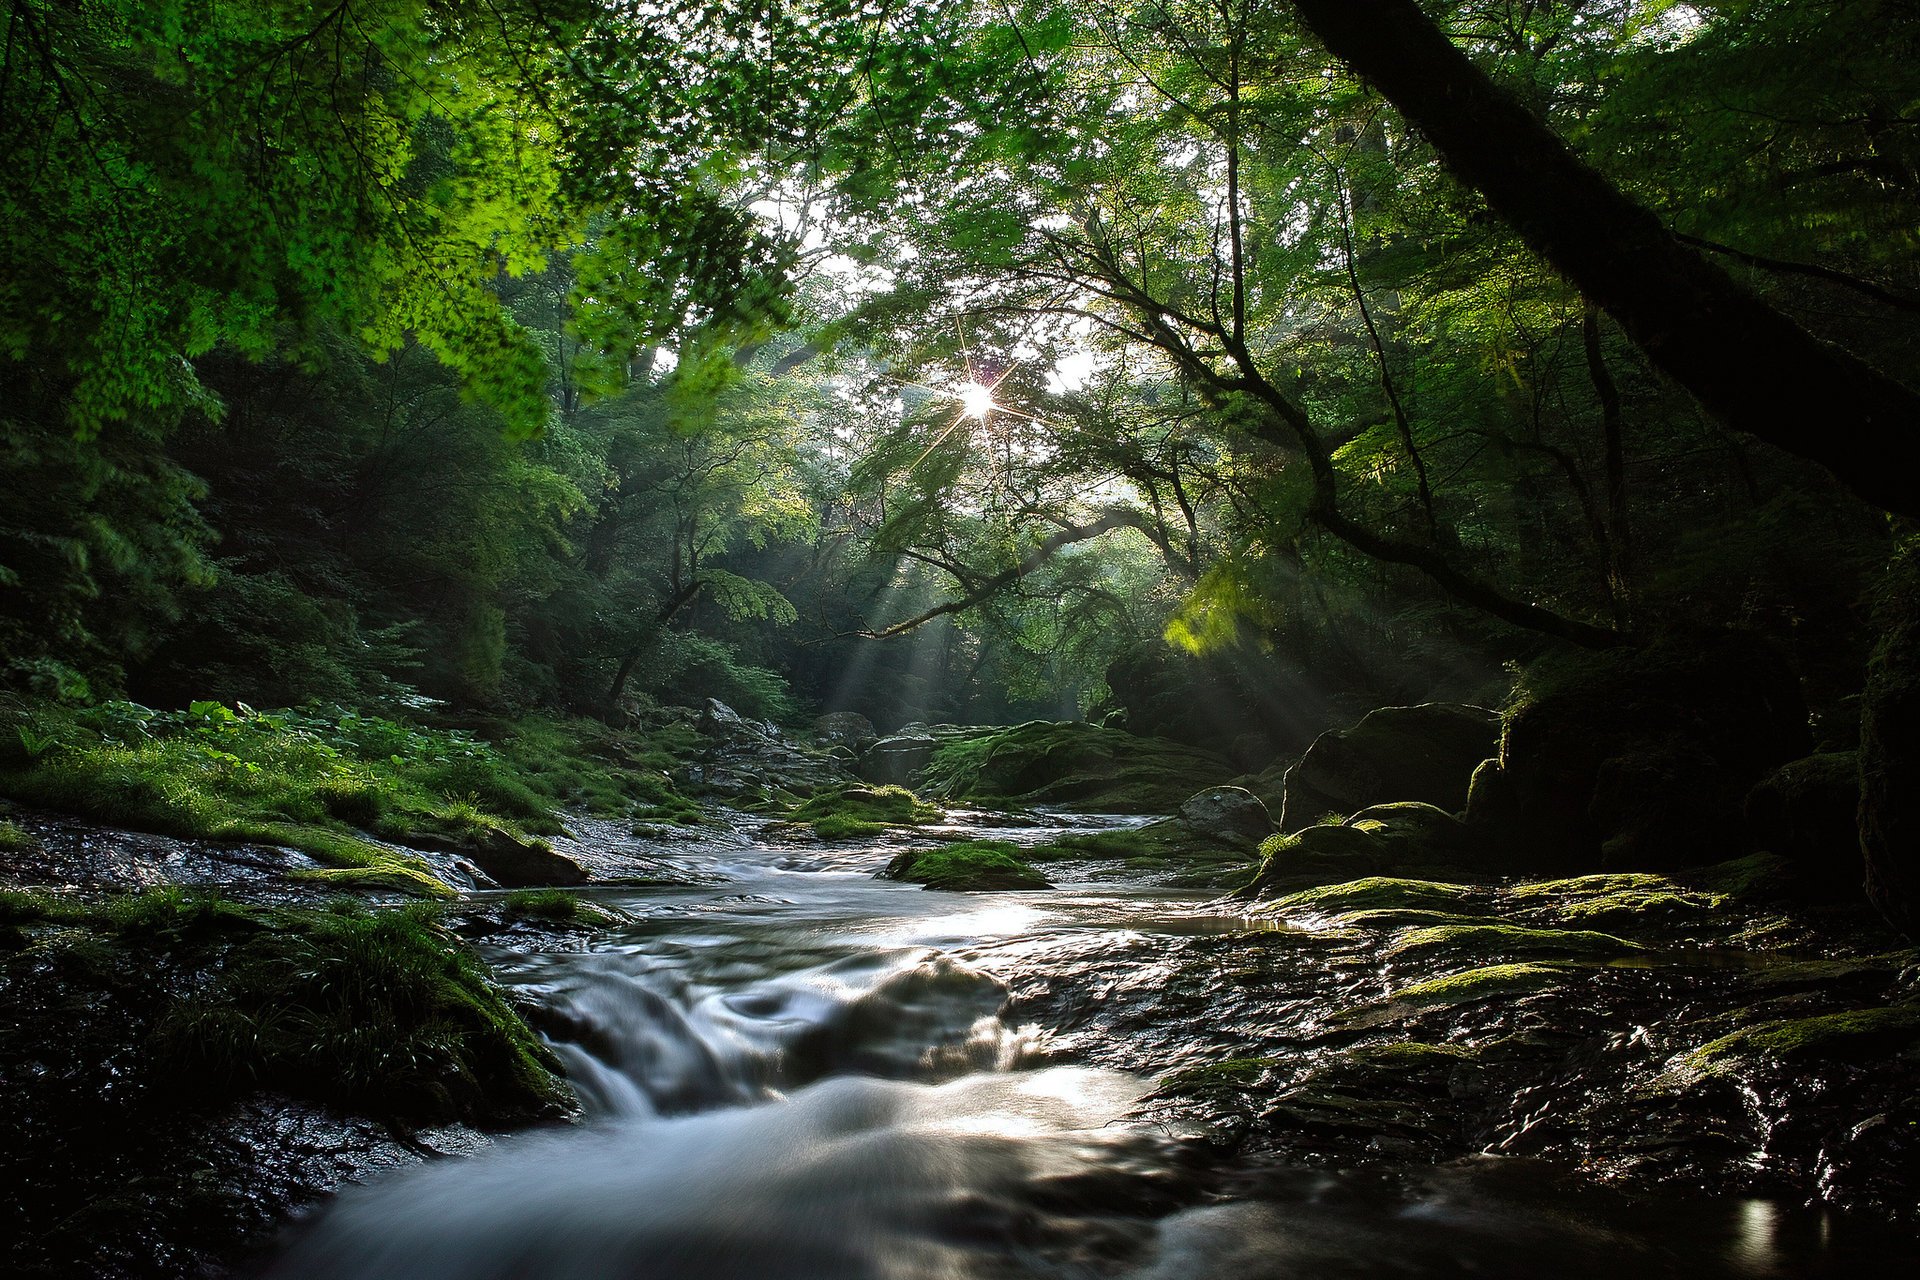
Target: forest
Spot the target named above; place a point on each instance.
(1357, 548)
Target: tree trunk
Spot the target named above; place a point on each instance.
(1748, 364)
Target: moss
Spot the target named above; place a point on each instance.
(1510, 939)
(1409, 1056)
(1377, 893)
(1850, 1036)
(1758, 877)
(312, 781)
(13, 839)
(556, 906)
(389, 877)
(848, 812)
(967, 865)
(1616, 882)
(1482, 984)
(378, 1011)
(1073, 765)
(1396, 918)
(1232, 1073)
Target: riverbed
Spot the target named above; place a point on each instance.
(791, 1068)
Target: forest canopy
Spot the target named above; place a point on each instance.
(943, 361)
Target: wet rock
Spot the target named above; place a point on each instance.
(518, 863)
(897, 760)
(1639, 759)
(1229, 815)
(1426, 753)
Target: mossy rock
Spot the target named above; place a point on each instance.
(1890, 747)
(1855, 1035)
(1388, 918)
(1074, 766)
(1757, 877)
(1630, 902)
(1425, 753)
(1411, 833)
(845, 813)
(1808, 811)
(1639, 758)
(1486, 983)
(1385, 840)
(1377, 893)
(1169, 846)
(558, 907)
(1509, 939)
(1409, 1057)
(967, 865)
(1213, 1077)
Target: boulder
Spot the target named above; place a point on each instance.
(514, 863)
(1426, 753)
(1073, 765)
(1227, 815)
(1807, 811)
(843, 728)
(1412, 835)
(1639, 758)
(718, 720)
(1890, 749)
(897, 759)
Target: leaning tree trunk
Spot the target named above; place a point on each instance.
(1748, 364)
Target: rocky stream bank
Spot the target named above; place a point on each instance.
(1469, 943)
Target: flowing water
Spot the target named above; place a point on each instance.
(797, 1070)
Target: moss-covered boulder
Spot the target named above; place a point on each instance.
(1403, 839)
(1890, 749)
(1639, 759)
(966, 865)
(845, 813)
(1807, 811)
(1227, 815)
(517, 862)
(1426, 753)
(1072, 765)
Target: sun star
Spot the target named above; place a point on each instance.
(976, 401)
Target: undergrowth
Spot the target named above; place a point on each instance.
(316, 779)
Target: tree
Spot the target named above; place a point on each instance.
(1747, 362)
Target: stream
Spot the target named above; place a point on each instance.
(793, 1069)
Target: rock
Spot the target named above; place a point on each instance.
(1412, 834)
(1074, 765)
(1890, 749)
(718, 720)
(843, 728)
(1229, 815)
(1807, 811)
(1639, 759)
(897, 759)
(514, 863)
(1426, 752)
(966, 866)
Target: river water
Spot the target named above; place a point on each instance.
(794, 1070)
